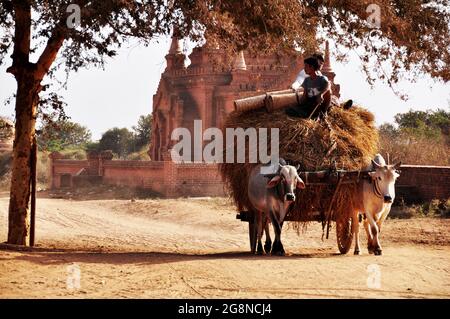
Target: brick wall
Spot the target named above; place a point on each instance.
(143, 174)
(164, 177)
(60, 168)
(197, 180)
(416, 183)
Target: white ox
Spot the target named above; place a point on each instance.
(376, 196)
(271, 197)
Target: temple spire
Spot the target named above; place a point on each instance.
(327, 64)
(175, 58)
(239, 62)
(327, 70)
(175, 46)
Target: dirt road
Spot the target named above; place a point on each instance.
(195, 248)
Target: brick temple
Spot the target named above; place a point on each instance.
(206, 91)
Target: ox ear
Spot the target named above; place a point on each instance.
(274, 181)
(297, 167)
(280, 166)
(397, 166)
(300, 183)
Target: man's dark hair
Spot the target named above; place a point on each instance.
(319, 56)
(314, 62)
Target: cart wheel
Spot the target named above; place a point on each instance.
(344, 234)
(252, 231)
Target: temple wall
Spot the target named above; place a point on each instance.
(418, 184)
(167, 178)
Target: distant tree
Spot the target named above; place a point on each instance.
(388, 129)
(428, 124)
(440, 119)
(61, 135)
(414, 119)
(411, 119)
(142, 131)
(118, 140)
(92, 146)
(422, 137)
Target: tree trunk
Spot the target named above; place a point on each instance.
(28, 76)
(26, 108)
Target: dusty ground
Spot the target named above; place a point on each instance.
(195, 248)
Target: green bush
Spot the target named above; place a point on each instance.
(92, 146)
(42, 169)
(140, 155)
(74, 154)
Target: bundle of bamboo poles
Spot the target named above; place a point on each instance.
(271, 101)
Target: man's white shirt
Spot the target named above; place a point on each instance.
(300, 78)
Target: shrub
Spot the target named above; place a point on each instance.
(141, 155)
(435, 208)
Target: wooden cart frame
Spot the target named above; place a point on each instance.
(344, 234)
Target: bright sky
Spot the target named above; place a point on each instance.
(118, 95)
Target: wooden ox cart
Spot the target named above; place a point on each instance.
(334, 178)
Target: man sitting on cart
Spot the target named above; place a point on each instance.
(301, 76)
(316, 86)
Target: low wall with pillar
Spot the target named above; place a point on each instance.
(416, 183)
(164, 177)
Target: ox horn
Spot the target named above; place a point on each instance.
(376, 165)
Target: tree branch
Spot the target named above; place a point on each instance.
(54, 44)
(50, 52)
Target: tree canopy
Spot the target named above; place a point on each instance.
(421, 137)
(123, 142)
(118, 140)
(143, 131)
(413, 34)
(56, 136)
(417, 121)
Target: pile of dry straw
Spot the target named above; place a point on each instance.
(347, 139)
